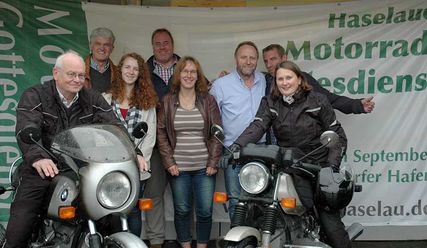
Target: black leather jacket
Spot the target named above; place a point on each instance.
(299, 125)
(41, 107)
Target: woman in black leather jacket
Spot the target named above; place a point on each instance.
(298, 116)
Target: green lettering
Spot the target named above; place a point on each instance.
(339, 85)
(324, 82)
(366, 20)
(295, 53)
(357, 157)
(421, 82)
(379, 18)
(356, 84)
(390, 11)
(338, 47)
(368, 50)
(413, 154)
(415, 16)
(356, 47)
(387, 211)
(322, 51)
(371, 81)
(402, 48)
(404, 79)
(400, 17)
(395, 176)
(383, 82)
(333, 18)
(383, 48)
(420, 42)
(354, 21)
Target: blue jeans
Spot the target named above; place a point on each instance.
(134, 217)
(185, 187)
(232, 186)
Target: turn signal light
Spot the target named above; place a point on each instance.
(145, 204)
(220, 197)
(67, 212)
(288, 202)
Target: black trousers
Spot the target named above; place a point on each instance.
(330, 221)
(331, 224)
(26, 207)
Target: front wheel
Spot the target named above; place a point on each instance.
(248, 242)
(124, 240)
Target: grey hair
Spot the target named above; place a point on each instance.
(60, 59)
(102, 32)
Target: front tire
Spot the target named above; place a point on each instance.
(248, 242)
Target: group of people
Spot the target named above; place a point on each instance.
(179, 104)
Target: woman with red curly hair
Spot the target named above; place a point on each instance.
(134, 100)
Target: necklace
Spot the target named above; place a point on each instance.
(188, 102)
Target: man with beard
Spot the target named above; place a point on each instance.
(238, 95)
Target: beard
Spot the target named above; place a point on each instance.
(246, 71)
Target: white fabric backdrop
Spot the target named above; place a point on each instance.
(398, 123)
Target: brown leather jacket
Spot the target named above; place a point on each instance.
(166, 137)
(88, 81)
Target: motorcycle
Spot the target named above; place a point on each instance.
(269, 207)
(98, 178)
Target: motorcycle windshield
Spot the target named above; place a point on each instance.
(95, 143)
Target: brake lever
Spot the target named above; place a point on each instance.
(298, 165)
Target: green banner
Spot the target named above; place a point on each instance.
(32, 34)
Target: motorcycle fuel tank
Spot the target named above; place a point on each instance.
(63, 192)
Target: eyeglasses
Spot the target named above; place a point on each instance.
(80, 76)
(192, 72)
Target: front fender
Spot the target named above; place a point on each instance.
(127, 240)
(238, 233)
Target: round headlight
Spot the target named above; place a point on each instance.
(253, 177)
(113, 190)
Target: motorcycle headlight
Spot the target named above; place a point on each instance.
(253, 177)
(113, 190)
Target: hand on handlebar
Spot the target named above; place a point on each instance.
(46, 168)
(227, 157)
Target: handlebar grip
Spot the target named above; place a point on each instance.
(311, 167)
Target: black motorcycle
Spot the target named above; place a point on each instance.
(269, 209)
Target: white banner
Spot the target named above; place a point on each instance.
(357, 49)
